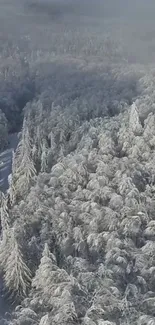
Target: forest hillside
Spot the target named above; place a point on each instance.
(77, 83)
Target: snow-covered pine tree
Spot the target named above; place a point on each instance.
(4, 212)
(23, 169)
(52, 287)
(44, 320)
(11, 180)
(17, 275)
(44, 161)
(5, 232)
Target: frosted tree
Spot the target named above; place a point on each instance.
(11, 180)
(11, 191)
(4, 212)
(38, 130)
(25, 175)
(88, 321)
(146, 320)
(43, 277)
(23, 165)
(134, 121)
(44, 320)
(24, 316)
(25, 144)
(5, 248)
(53, 286)
(37, 150)
(5, 241)
(17, 275)
(44, 157)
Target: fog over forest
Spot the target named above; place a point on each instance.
(77, 132)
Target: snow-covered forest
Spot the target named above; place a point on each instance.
(77, 243)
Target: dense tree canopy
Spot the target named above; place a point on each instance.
(78, 219)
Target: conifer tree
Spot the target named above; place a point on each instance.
(5, 248)
(44, 162)
(5, 241)
(23, 165)
(17, 275)
(4, 212)
(44, 320)
(54, 286)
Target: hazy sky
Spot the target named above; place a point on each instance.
(144, 9)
